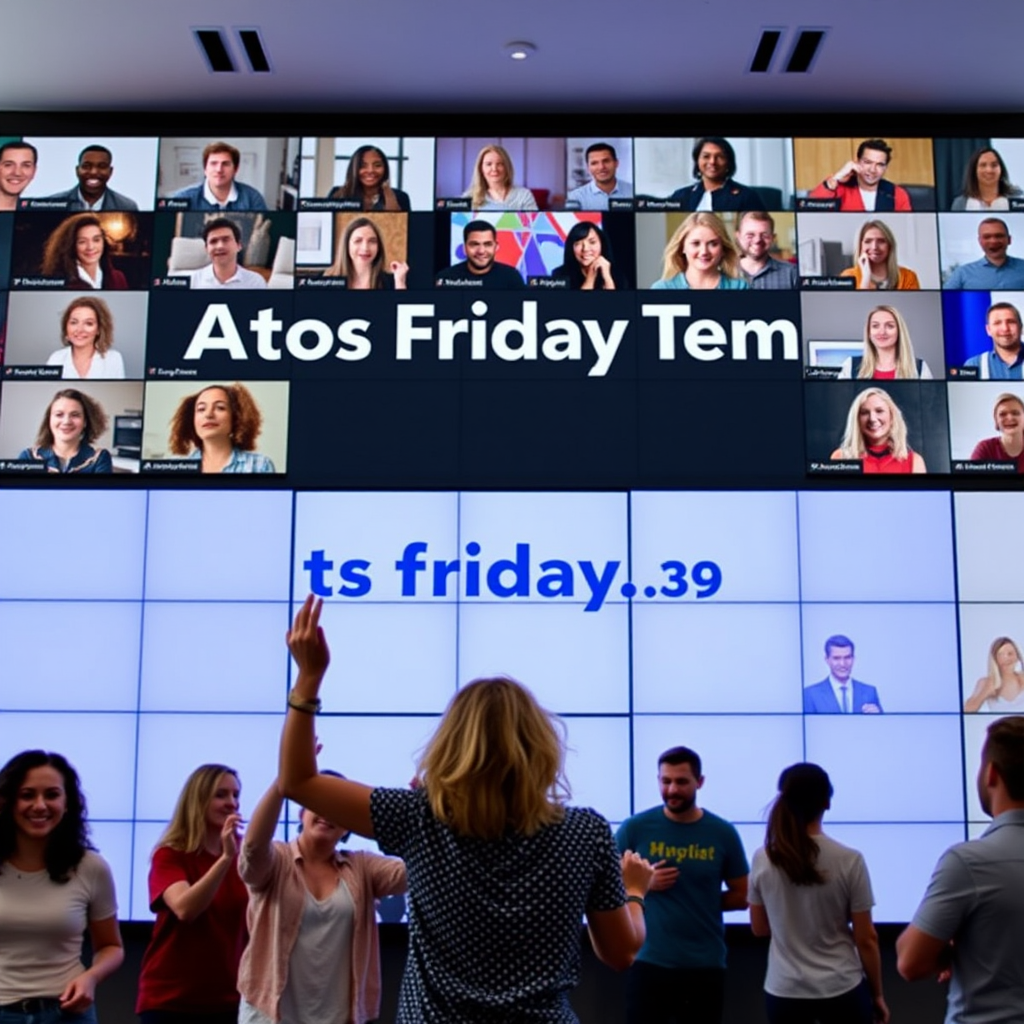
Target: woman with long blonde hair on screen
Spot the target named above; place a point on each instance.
(1002, 689)
(876, 435)
(493, 186)
(875, 265)
(500, 870)
(700, 254)
(190, 968)
(888, 350)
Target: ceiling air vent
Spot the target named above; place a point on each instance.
(765, 50)
(214, 46)
(805, 50)
(255, 53)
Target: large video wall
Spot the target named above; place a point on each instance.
(260, 368)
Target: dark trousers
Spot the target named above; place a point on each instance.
(852, 1007)
(686, 995)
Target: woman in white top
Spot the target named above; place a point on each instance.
(53, 886)
(493, 185)
(986, 183)
(87, 330)
(1002, 690)
(813, 897)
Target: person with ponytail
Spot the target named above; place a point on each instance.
(813, 896)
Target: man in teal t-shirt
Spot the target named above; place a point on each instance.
(680, 971)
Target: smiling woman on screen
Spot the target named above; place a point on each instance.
(87, 329)
(71, 423)
(77, 251)
(700, 254)
(876, 434)
(368, 179)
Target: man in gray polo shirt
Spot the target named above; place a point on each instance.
(971, 920)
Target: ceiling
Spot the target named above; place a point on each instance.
(446, 55)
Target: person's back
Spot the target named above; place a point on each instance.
(494, 925)
(972, 916)
(812, 952)
(988, 968)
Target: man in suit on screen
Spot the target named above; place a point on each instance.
(94, 169)
(839, 693)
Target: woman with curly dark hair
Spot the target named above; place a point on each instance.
(53, 885)
(77, 252)
(218, 427)
(72, 422)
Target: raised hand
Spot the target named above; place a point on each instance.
(308, 645)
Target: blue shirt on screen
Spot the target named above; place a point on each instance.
(991, 367)
(590, 197)
(981, 275)
(725, 283)
(242, 462)
(248, 198)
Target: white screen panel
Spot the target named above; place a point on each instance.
(105, 564)
(724, 658)
(218, 545)
(234, 660)
(93, 667)
(726, 529)
(574, 661)
(875, 547)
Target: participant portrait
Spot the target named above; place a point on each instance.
(888, 427)
(393, 174)
(227, 173)
(52, 428)
(982, 252)
(77, 337)
(216, 427)
(991, 668)
(876, 658)
(353, 251)
(978, 175)
(716, 174)
(688, 251)
(867, 336)
(94, 174)
(872, 175)
(235, 250)
(599, 173)
(83, 251)
(558, 251)
(983, 334)
(869, 253)
(501, 174)
(986, 424)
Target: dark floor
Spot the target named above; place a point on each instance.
(599, 998)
